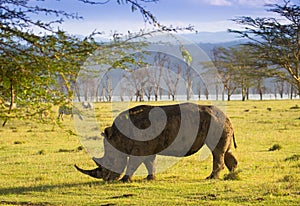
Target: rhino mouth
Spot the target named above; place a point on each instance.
(100, 173)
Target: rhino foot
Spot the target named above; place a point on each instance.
(126, 178)
(212, 176)
(150, 177)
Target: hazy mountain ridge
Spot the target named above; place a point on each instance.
(211, 37)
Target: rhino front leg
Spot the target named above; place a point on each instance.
(132, 165)
(150, 164)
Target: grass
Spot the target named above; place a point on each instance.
(37, 164)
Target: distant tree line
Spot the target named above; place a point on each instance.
(268, 63)
(156, 76)
(239, 71)
(38, 70)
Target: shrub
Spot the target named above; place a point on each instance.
(295, 107)
(42, 152)
(72, 150)
(289, 178)
(232, 175)
(19, 142)
(293, 158)
(275, 147)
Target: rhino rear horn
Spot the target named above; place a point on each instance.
(96, 173)
(107, 132)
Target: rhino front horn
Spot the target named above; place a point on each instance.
(96, 173)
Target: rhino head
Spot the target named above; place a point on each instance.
(113, 159)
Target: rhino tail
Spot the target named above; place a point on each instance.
(96, 173)
(234, 142)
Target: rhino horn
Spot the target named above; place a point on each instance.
(96, 173)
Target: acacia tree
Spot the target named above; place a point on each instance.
(160, 60)
(225, 62)
(238, 68)
(32, 62)
(276, 41)
(171, 78)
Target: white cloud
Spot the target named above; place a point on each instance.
(252, 3)
(210, 2)
(220, 2)
(256, 3)
(213, 2)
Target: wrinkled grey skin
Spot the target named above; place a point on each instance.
(178, 138)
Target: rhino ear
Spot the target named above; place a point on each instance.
(107, 132)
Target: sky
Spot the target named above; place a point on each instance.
(204, 15)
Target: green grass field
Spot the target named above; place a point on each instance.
(37, 165)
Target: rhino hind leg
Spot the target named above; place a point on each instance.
(218, 165)
(230, 161)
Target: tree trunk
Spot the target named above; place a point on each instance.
(243, 94)
(298, 87)
(292, 91)
(228, 95)
(86, 93)
(260, 95)
(217, 93)
(281, 90)
(77, 92)
(223, 95)
(247, 93)
(206, 94)
(12, 101)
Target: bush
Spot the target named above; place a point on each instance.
(19, 142)
(275, 147)
(289, 178)
(72, 150)
(295, 107)
(42, 152)
(232, 175)
(293, 158)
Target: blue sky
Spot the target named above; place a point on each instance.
(205, 15)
